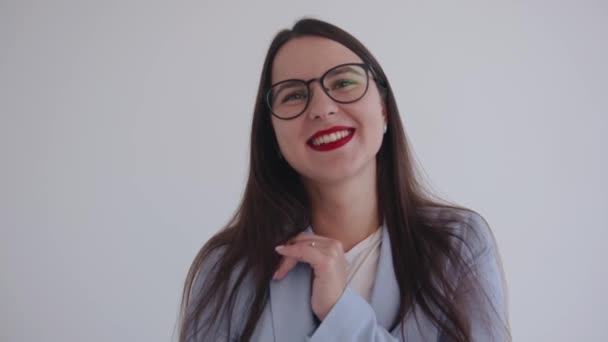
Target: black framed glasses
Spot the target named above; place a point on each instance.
(344, 83)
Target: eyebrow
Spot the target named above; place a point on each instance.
(288, 84)
(342, 70)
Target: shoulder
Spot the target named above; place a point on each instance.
(472, 235)
(481, 288)
(213, 265)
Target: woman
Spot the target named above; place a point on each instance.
(335, 239)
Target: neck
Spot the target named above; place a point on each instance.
(347, 211)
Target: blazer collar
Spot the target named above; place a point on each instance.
(290, 297)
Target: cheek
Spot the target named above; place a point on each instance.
(371, 121)
(286, 136)
(283, 141)
(372, 118)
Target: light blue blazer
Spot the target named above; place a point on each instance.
(288, 316)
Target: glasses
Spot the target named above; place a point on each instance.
(345, 83)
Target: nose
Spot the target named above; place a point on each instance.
(320, 105)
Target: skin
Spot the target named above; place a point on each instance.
(341, 183)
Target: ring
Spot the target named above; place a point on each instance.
(313, 244)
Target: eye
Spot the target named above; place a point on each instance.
(342, 83)
(295, 96)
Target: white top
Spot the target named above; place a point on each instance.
(362, 263)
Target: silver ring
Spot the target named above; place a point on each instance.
(313, 244)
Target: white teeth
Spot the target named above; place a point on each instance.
(328, 138)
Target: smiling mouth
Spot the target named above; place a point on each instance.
(331, 140)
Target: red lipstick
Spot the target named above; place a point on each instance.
(334, 144)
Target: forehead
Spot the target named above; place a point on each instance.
(309, 57)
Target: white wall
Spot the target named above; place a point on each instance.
(124, 132)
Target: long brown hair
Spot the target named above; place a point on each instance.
(275, 207)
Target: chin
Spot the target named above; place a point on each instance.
(337, 175)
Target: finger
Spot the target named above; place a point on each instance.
(307, 237)
(325, 245)
(302, 252)
(286, 265)
(314, 243)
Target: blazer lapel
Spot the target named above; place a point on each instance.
(385, 294)
(290, 304)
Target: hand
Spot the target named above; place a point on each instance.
(326, 257)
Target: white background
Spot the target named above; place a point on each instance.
(124, 134)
